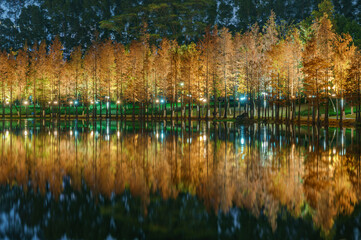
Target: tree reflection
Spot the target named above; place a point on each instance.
(264, 170)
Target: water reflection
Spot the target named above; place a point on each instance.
(163, 179)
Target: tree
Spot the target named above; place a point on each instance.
(77, 74)
(343, 53)
(56, 61)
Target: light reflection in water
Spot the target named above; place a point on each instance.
(262, 169)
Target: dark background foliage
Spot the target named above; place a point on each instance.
(78, 22)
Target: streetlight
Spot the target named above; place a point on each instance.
(26, 103)
(70, 103)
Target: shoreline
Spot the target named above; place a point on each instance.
(303, 121)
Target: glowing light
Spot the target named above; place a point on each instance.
(76, 103)
(71, 102)
(333, 95)
(182, 84)
(91, 102)
(26, 102)
(26, 133)
(55, 102)
(162, 100)
(107, 104)
(71, 133)
(242, 99)
(157, 101)
(118, 102)
(118, 134)
(91, 133)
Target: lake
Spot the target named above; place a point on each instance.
(185, 180)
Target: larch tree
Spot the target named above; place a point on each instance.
(4, 73)
(353, 81)
(225, 55)
(268, 41)
(77, 72)
(91, 66)
(342, 57)
(106, 73)
(313, 64)
(120, 69)
(56, 61)
(325, 35)
(22, 72)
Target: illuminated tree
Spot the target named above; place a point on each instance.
(91, 66)
(353, 81)
(343, 53)
(106, 74)
(225, 56)
(77, 74)
(56, 62)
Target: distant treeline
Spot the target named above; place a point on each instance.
(79, 22)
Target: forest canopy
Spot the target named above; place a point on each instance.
(79, 22)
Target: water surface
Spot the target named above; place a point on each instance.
(161, 180)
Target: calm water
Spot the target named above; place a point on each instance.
(116, 180)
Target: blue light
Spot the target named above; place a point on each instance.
(76, 103)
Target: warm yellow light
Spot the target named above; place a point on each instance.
(55, 102)
(118, 102)
(71, 102)
(26, 102)
(157, 101)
